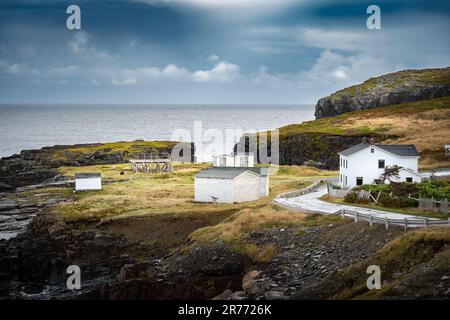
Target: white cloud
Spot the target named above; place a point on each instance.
(213, 58)
(79, 45)
(222, 72)
(78, 42)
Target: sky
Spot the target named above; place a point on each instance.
(211, 51)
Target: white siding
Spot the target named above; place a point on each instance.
(365, 164)
(234, 161)
(88, 184)
(246, 187)
(264, 186)
(205, 188)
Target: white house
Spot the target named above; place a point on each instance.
(88, 181)
(235, 160)
(364, 163)
(231, 184)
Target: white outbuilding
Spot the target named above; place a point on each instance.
(364, 163)
(88, 181)
(235, 160)
(231, 184)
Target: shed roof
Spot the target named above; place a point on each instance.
(87, 175)
(404, 150)
(228, 172)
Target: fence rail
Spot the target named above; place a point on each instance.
(405, 223)
(308, 189)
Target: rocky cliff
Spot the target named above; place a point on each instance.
(36, 166)
(389, 89)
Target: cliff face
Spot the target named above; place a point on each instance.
(314, 149)
(390, 89)
(36, 166)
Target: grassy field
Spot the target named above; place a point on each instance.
(159, 196)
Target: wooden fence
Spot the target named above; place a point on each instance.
(405, 223)
(308, 189)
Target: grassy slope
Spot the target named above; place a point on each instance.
(399, 261)
(131, 147)
(423, 123)
(438, 76)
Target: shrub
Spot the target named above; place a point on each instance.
(434, 189)
(403, 189)
(396, 202)
(351, 197)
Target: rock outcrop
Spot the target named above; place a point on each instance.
(389, 89)
(37, 166)
(313, 149)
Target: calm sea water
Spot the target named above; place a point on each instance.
(35, 126)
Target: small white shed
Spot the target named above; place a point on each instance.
(88, 181)
(231, 184)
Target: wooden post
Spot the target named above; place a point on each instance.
(386, 222)
(342, 213)
(371, 220)
(405, 227)
(425, 222)
(356, 216)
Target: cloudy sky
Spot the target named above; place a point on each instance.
(210, 51)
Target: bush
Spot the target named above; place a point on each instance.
(351, 197)
(434, 189)
(403, 189)
(396, 202)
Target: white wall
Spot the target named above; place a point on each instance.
(222, 189)
(365, 164)
(234, 161)
(264, 186)
(246, 187)
(88, 184)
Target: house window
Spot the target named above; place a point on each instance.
(372, 150)
(346, 163)
(409, 179)
(340, 177)
(380, 164)
(359, 181)
(345, 180)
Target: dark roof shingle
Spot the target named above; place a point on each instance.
(87, 175)
(404, 150)
(229, 172)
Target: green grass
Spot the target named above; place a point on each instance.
(372, 205)
(343, 125)
(437, 76)
(127, 147)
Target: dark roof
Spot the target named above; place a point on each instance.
(404, 150)
(87, 175)
(353, 149)
(229, 172)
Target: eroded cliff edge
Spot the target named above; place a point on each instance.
(389, 89)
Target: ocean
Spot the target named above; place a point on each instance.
(211, 127)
